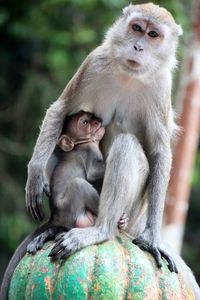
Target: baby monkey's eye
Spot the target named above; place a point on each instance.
(84, 121)
(136, 27)
(153, 34)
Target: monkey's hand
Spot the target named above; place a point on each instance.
(157, 253)
(76, 239)
(37, 183)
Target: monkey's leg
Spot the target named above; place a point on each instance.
(124, 182)
(79, 196)
(160, 164)
(86, 203)
(149, 239)
(81, 199)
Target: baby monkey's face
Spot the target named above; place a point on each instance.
(85, 125)
(81, 128)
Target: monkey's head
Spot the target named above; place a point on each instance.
(79, 129)
(144, 39)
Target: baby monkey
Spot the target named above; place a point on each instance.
(75, 180)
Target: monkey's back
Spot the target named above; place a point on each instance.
(70, 166)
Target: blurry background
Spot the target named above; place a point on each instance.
(42, 43)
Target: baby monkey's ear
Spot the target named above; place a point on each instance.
(65, 143)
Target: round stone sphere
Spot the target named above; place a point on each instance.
(116, 269)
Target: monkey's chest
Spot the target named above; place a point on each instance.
(124, 121)
(101, 102)
(121, 108)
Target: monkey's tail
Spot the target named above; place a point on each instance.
(17, 256)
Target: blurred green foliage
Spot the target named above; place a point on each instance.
(42, 44)
(191, 245)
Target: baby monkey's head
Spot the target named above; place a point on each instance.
(81, 128)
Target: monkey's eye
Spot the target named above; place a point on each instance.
(136, 27)
(84, 122)
(153, 34)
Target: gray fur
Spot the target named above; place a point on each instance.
(135, 105)
(71, 193)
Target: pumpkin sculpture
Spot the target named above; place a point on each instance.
(116, 269)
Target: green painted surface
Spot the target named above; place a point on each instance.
(114, 270)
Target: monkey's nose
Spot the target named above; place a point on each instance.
(138, 47)
(95, 123)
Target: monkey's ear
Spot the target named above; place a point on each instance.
(65, 143)
(127, 10)
(179, 30)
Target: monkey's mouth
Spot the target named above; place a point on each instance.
(96, 129)
(99, 128)
(132, 63)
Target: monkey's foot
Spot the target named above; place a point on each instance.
(76, 239)
(157, 253)
(38, 242)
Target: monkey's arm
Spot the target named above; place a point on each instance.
(37, 181)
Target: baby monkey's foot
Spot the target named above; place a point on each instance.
(123, 222)
(157, 253)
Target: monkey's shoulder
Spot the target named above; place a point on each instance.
(98, 62)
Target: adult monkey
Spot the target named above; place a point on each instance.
(126, 82)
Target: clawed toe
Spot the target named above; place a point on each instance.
(157, 253)
(33, 247)
(171, 264)
(60, 250)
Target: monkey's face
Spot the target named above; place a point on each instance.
(79, 127)
(144, 39)
(84, 125)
